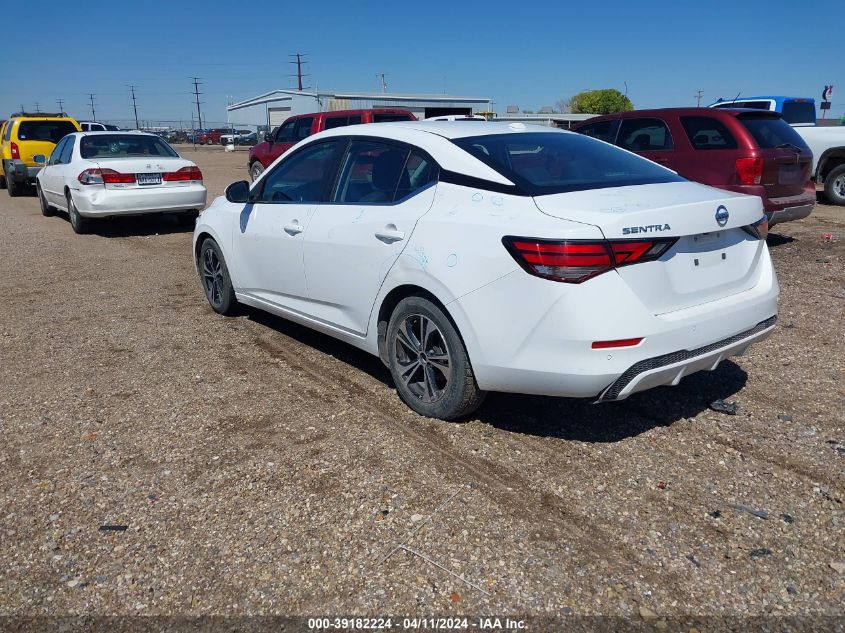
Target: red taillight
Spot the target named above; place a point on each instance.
(623, 342)
(186, 173)
(575, 261)
(749, 170)
(16, 153)
(104, 176)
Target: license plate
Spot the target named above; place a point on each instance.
(790, 175)
(148, 179)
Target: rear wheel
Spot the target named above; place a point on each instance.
(2, 182)
(834, 185)
(215, 279)
(256, 170)
(15, 187)
(429, 362)
(79, 224)
(46, 209)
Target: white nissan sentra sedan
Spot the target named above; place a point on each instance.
(475, 257)
(99, 174)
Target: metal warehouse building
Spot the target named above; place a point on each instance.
(274, 107)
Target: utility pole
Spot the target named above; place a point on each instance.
(299, 61)
(698, 96)
(197, 93)
(382, 81)
(37, 107)
(61, 103)
(134, 106)
(22, 108)
(91, 100)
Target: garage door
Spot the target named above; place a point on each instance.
(277, 116)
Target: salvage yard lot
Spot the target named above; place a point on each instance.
(263, 468)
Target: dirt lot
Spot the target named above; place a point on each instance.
(265, 469)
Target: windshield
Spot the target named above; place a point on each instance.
(799, 112)
(771, 131)
(124, 146)
(543, 163)
(53, 131)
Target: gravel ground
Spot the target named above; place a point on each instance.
(262, 468)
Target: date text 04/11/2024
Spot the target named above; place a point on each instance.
(409, 623)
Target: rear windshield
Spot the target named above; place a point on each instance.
(53, 131)
(123, 146)
(771, 131)
(543, 163)
(799, 112)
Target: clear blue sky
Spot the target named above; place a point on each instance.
(528, 54)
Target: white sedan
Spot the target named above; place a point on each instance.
(476, 257)
(100, 174)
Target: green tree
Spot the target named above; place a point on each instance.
(605, 101)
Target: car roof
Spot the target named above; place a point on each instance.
(711, 112)
(460, 129)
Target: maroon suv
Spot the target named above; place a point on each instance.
(748, 151)
(302, 126)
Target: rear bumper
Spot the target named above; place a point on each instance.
(97, 201)
(19, 171)
(534, 336)
(670, 368)
(785, 209)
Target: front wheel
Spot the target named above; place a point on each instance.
(79, 224)
(46, 209)
(256, 170)
(834, 186)
(215, 279)
(429, 363)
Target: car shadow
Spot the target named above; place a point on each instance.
(140, 225)
(774, 240)
(564, 418)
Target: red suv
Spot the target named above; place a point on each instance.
(302, 126)
(212, 137)
(747, 151)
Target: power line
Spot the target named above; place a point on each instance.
(91, 101)
(698, 96)
(134, 105)
(197, 93)
(299, 61)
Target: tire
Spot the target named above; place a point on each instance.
(46, 210)
(255, 170)
(79, 224)
(15, 188)
(834, 185)
(214, 276)
(431, 370)
(2, 182)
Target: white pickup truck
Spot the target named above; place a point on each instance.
(827, 142)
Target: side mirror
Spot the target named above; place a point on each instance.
(238, 192)
(39, 159)
(268, 137)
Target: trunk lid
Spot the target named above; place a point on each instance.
(145, 169)
(712, 256)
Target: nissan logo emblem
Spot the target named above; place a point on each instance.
(722, 215)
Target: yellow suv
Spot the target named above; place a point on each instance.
(25, 135)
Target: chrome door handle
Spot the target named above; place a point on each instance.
(294, 228)
(390, 234)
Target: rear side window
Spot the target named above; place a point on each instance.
(603, 130)
(542, 163)
(771, 131)
(302, 129)
(387, 118)
(799, 112)
(705, 133)
(643, 135)
(419, 171)
(371, 173)
(53, 131)
(355, 120)
(67, 150)
(336, 121)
